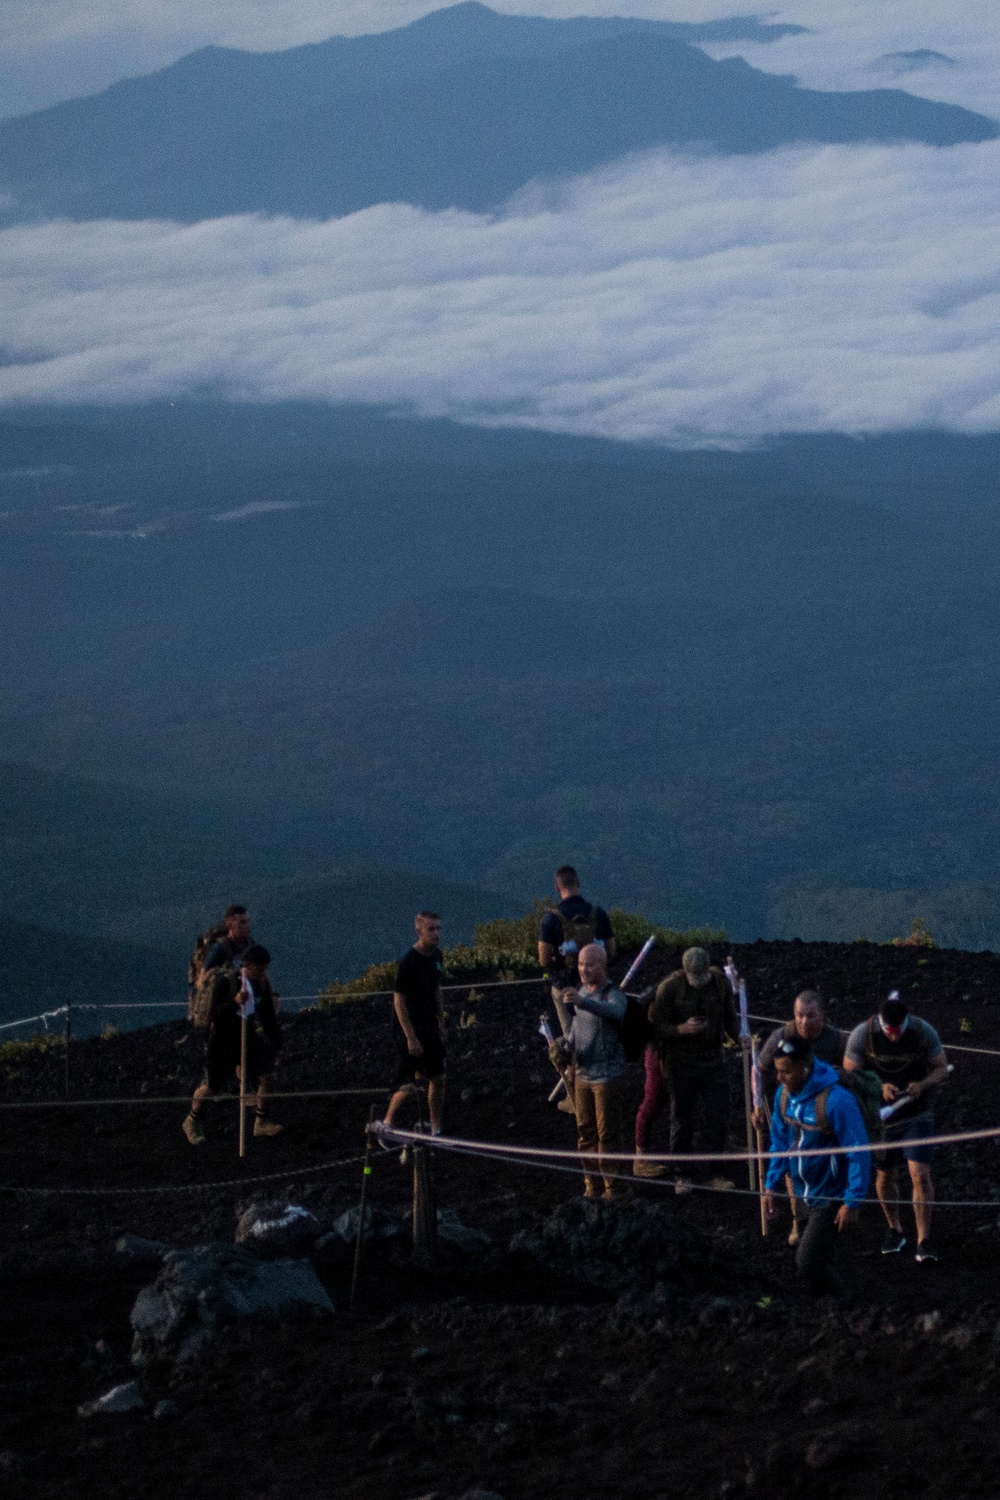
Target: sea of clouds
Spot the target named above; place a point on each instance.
(676, 298)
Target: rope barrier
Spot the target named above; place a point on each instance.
(453, 1143)
(186, 1099)
(46, 1016)
(179, 1187)
(667, 1184)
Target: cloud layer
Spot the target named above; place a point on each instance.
(673, 298)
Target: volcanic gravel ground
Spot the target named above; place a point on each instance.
(490, 1372)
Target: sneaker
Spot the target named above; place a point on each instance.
(643, 1167)
(567, 1106)
(194, 1130)
(683, 1185)
(925, 1251)
(263, 1126)
(591, 1190)
(894, 1241)
(722, 1185)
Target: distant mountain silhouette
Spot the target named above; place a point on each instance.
(458, 109)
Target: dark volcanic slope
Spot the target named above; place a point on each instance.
(727, 1383)
(460, 108)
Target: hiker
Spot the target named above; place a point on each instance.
(906, 1054)
(418, 1022)
(235, 996)
(595, 1058)
(812, 1109)
(221, 944)
(691, 1015)
(565, 932)
(827, 1043)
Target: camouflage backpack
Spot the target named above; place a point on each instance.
(578, 931)
(199, 983)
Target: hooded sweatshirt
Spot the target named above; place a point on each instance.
(820, 1178)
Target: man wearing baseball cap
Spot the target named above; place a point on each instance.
(908, 1057)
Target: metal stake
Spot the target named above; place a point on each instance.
(366, 1173)
(243, 1087)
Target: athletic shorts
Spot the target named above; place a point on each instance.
(897, 1134)
(221, 1066)
(430, 1063)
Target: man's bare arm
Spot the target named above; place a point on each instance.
(403, 1017)
(546, 955)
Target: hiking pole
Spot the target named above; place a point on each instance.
(745, 1045)
(365, 1174)
(757, 1094)
(243, 1087)
(638, 961)
(545, 1031)
(69, 1038)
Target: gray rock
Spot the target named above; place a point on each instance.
(480, 1495)
(201, 1290)
(378, 1226)
(277, 1230)
(165, 1409)
(458, 1236)
(138, 1251)
(120, 1398)
(618, 1247)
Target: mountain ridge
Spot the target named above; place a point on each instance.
(445, 122)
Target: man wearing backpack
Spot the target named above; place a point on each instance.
(598, 1065)
(813, 1110)
(827, 1043)
(564, 933)
(691, 1015)
(221, 946)
(906, 1054)
(240, 995)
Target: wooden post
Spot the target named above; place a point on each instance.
(69, 1038)
(748, 1108)
(366, 1173)
(243, 1087)
(424, 1210)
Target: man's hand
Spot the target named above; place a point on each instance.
(846, 1216)
(770, 1205)
(692, 1027)
(890, 1093)
(413, 1047)
(758, 1119)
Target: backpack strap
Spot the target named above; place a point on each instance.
(822, 1119)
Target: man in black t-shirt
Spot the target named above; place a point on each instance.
(565, 932)
(418, 1021)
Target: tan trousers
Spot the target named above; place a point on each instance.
(600, 1125)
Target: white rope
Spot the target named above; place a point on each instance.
(45, 1017)
(179, 1187)
(453, 1143)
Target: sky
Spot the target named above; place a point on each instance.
(676, 299)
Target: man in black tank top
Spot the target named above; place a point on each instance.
(908, 1057)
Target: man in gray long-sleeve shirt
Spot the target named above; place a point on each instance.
(598, 1070)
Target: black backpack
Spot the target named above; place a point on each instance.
(634, 1030)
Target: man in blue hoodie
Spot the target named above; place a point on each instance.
(813, 1110)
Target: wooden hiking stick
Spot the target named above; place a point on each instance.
(243, 1086)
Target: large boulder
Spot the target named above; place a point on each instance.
(277, 1230)
(616, 1246)
(201, 1290)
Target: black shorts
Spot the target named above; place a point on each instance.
(895, 1139)
(430, 1063)
(221, 1064)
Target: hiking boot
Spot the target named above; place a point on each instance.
(683, 1185)
(194, 1130)
(643, 1167)
(591, 1190)
(893, 1242)
(567, 1106)
(722, 1185)
(263, 1126)
(925, 1251)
